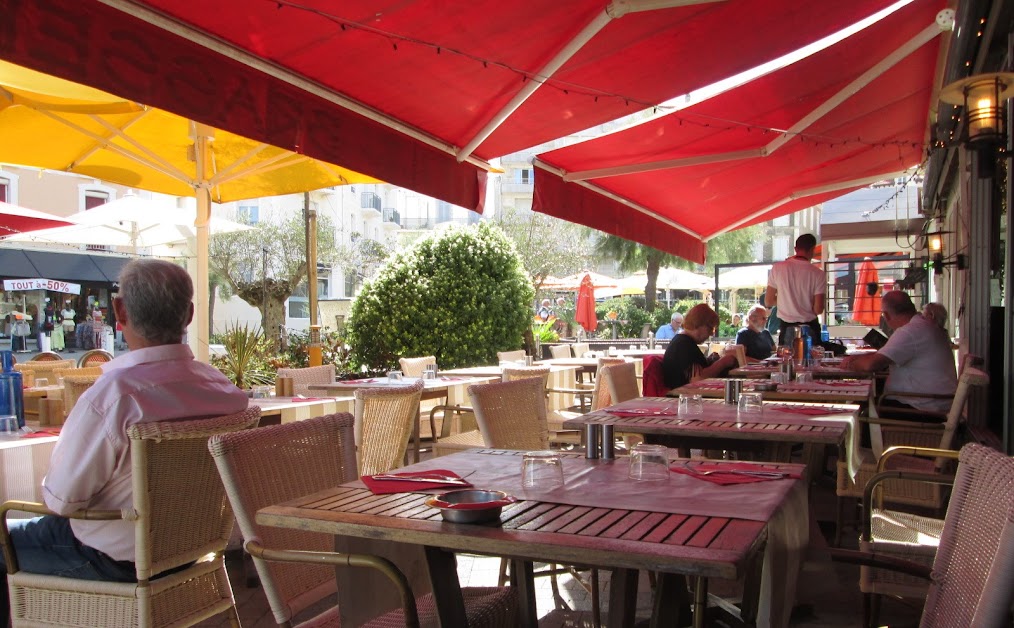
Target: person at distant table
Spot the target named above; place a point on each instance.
(754, 336)
(683, 361)
(669, 330)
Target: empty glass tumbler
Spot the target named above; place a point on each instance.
(649, 463)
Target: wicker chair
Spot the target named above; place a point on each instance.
(297, 568)
(302, 378)
(971, 580)
(581, 348)
(511, 356)
(505, 437)
(908, 433)
(621, 381)
(49, 369)
(94, 357)
(47, 356)
(74, 385)
(415, 367)
(384, 420)
(182, 522)
(560, 351)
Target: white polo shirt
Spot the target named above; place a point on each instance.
(797, 282)
(922, 362)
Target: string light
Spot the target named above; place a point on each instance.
(570, 89)
(901, 188)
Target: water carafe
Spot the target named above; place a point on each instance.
(12, 398)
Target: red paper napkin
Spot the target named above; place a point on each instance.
(730, 478)
(806, 410)
(42, 433)
(385, 487)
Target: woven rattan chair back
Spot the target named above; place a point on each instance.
(269, 466)
(514, 373)
(384, 420)
(581, 348)
(973, 573)
(620, 381)
(182, 521)
(560, 351)
(415, 367)
(74, 385)
(94, 357)
(45, 368)
(511, 356)
(47, 356)
(512, 415)
(302, 378)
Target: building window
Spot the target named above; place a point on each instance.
(248, 212)
(8, 187)
(350, 284)
(91, 196)
(526, 176)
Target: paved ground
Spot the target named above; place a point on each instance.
(828, 595)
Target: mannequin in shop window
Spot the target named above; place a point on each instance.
(53, 321)
(67, 315)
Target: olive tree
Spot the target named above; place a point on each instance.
(460, 295)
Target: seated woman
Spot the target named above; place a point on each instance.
(755, 336)
(683, 360)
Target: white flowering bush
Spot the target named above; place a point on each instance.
(461, 295)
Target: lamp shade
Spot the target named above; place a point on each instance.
(983, 96)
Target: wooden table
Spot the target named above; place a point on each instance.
(560, 376)
(33, 394)
(823, 391)
(275, 410)
(763, 370)
(683, 527)
(768, 436)
(453, 388)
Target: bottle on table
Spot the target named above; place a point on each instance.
(12, 398)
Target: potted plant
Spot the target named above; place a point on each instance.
(244, 362)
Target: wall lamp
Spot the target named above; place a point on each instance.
(984, 99)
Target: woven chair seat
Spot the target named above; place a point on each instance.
(458, 442)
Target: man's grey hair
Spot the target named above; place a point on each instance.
(756, 309)
(676, 317)
(157, 295)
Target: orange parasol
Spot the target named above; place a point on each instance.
(585, 314)
(866, 307)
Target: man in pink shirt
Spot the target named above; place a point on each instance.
(158, 380)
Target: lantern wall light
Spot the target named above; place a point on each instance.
(984, 99)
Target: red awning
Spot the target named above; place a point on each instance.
(397, 90)
(676, 181)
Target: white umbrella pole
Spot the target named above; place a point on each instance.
(202, 138)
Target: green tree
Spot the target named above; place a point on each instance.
(460, 295)
(546, 245)
(242, 257)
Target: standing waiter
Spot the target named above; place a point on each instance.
(798, 287)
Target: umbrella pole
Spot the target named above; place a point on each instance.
(202, 136)
(314, 350)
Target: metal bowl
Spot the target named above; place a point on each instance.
(471, 505)
(766, 386)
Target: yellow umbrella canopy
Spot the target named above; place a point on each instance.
(55, 124)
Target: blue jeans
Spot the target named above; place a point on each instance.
(47, 545)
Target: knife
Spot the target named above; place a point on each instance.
(440, 479)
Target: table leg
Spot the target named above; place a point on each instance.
(446, 588)
(523, 579)
(671, 606)
(622, 598)
(700, 600)
(416, 444)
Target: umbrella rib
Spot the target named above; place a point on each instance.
(223, 174)
(98, 145)
(283, 160)
(147, 156)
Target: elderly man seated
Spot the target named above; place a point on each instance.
(670, 329)
(684, 361)
(755, 336)
(918, 356)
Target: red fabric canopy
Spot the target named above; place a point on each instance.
(875, 132)
(343, 82)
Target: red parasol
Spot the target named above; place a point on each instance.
(14, 219)
(866, 307)
(585, 314)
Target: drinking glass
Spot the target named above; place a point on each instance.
(750, 403)
(649, 463)
(9, 426)
(41, 381)
(541, 470)
(779, 378)
(803, 377)
(428, 374)
(394, 376)
(829, 355)
(691, 404)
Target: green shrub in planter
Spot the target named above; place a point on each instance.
(631, 314)
(460, 295)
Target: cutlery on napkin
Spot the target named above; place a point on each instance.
(733, 473)
(410, 481)
(808, 411)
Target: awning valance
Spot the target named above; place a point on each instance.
(62, 266)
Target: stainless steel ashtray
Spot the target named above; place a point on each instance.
(766, 386)
(470, 505)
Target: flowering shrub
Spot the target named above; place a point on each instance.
(460, 295)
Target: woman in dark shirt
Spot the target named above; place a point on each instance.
(683, 360)
(757, 340)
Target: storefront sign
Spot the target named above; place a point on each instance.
(42, 284)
